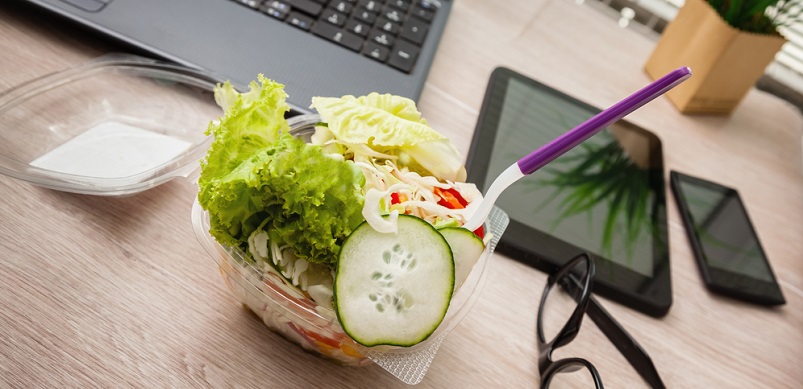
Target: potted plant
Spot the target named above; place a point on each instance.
(727, 43)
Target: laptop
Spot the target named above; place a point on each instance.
(314, 47)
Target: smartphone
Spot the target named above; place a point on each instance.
(724, 241)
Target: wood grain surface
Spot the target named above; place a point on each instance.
(117, 292)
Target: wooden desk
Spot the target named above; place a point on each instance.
(117, 292)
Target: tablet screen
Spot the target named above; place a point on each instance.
(605, 197)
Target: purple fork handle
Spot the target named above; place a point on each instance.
(548, 152)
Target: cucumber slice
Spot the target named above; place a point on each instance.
(466, 248)
(393, 289)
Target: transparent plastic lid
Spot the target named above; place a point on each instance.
(114, 126)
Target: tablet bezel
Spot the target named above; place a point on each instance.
(650, 295)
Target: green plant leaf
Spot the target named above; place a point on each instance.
(759, 16)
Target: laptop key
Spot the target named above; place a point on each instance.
(423, 13)
(371, 5)
(393, 14)
(358, 27)
(250, 3)
(300, 20)
(387, 26)
(334, 17)
(365, 16)
(403, 56)
(338, 35)
(403, 5)
(427, 4)
(415, 30)
(341, 6)
(306, 6)
(381, 37)
(376, 51)
(275, 8)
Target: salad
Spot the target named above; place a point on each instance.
(361, 222)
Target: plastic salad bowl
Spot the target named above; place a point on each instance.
(315, 328)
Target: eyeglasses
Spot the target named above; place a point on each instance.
(576, 278)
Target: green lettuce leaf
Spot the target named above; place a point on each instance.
(252, 121)
(313, 201)
(257, 174)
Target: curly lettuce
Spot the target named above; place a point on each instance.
(257, 175)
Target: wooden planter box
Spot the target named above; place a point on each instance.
(725, 62)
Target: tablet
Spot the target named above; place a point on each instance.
(605, 197)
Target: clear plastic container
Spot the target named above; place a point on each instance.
(315, 328)
(117, 125)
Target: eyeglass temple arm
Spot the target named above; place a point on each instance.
(628, 346)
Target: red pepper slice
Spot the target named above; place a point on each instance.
(480, 232)
(450, 198)
(334, 343)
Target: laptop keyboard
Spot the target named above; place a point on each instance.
(388, 31)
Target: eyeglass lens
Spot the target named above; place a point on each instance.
(558, 304)
(557, 308)
(571, 376)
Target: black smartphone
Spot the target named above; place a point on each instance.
(724, 241)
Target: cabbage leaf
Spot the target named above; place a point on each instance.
(392, 124)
